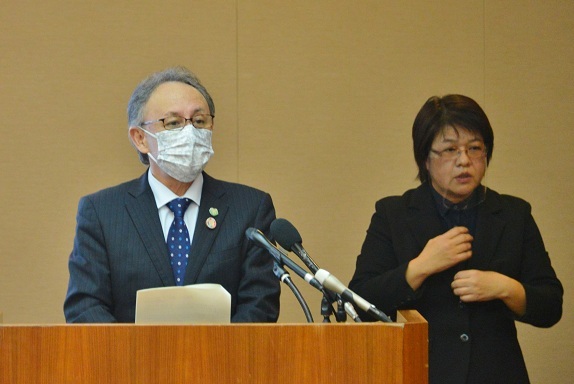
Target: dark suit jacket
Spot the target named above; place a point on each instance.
(473, 342)
(120, 248)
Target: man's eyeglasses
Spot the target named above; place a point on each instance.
(199, 121)
(451, 153)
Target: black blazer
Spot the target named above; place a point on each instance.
(473, 342)
(119, 248)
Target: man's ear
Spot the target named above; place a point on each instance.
(138, 139)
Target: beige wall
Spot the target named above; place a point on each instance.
(315, 102)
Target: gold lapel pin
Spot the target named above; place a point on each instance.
(211, 223)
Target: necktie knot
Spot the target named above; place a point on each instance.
(178, 206)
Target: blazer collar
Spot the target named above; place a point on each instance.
(489, 229)
(213, 196)
(423, 217)
(141, 206)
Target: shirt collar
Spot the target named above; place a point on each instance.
(444, 205)
(164, 195)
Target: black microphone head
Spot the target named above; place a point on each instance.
(285, 233)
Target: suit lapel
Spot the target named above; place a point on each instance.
(212, 196)
(423, 218)
(142, 209)
(489, 229)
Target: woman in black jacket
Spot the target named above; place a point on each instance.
(470, 260)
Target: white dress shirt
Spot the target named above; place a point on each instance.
(164, 195)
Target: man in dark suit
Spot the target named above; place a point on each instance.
(124, 238)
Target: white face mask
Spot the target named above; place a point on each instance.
(184, 153)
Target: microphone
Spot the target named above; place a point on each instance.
(259, 238)
(351, 311)
(289, 238)
(332, 283)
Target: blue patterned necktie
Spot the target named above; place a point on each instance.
(178, 242)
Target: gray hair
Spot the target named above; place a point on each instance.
(143, 91)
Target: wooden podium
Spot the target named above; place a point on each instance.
(235, 353)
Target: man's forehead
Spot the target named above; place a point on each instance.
(172, 88)
(173, 96)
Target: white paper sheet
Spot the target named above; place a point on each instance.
(190, 304)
